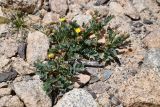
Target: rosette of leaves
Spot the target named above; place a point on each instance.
(17, 20)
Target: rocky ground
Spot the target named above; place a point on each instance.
(133, 83)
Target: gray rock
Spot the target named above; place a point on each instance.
(5, 91)
(59, 7)
(136, 31)
(3, 29)
(7, 76)
(82, 79)
(94, 79)
(93, 70)
(158, 1)
(140, 5)
(131, 72)
(77, 98)
(38, 45)
(116, 9)
(93, 94)
(10, 101)
(74, 9)
(114, 100)
(121, 23)
(102, 9)
(22, 67)
(23, 78)
(105, 75)
(50, 17)
(98, 87)
(152, 40)
(8, 47)
(142, 88)
(3, 61)
(78, 1)
(146, 21)
(32, 94)
(3, 85)
(82, 19)
(93, 64)
(22, 50)
(101, 2)
(104, 100)
(137, 24)
(153, 58)
(131, 11)
(46, 5)
(28, 6)
(134, 17)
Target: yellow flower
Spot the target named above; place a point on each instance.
(78, 30)
(51, 56)
(62, 19)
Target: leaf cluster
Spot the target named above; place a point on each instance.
(17, 20)
(70, 48)
(14, 17)
(57, 75)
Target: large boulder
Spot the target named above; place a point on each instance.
(32, 94)
(141, 89)
(77, 98)
(38, 45)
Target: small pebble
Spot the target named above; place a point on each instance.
(22, 50)
(137, 25)
(82, 80)
(93, 79)
(7, 76)
(106, 75)
(146, 21)
(115, 101)
(101, 2)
